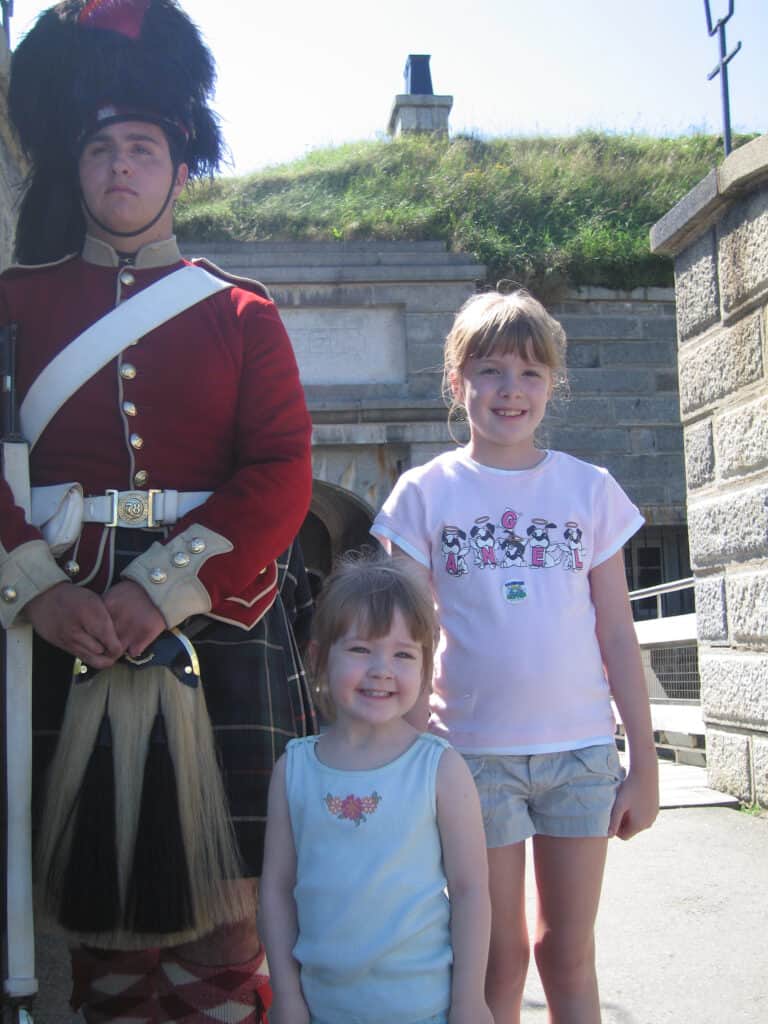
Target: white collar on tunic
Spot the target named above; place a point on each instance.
(155, 254)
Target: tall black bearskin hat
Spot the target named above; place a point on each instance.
(87, 63)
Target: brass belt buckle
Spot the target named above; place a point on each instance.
(133, 508)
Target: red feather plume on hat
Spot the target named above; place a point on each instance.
(123, 16)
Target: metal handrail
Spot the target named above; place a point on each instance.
(673, 586)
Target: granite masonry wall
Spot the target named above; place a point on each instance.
(718, 235)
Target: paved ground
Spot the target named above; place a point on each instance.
(681, 936)
(682, 926)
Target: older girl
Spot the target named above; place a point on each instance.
(523, 550)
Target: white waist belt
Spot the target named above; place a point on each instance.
(59, 510)
(139, 509)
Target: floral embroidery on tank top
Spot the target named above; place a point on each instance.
(352, 808)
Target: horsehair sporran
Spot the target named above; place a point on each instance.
(132, 699)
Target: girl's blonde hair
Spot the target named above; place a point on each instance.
(496, 322)
(367, 589)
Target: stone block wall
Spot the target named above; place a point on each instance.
(11, 164)
(622, 410)
(719, 237)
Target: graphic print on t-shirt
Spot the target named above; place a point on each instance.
(482, 537)
(454, 546)
(541, 553)
(511, 546)
(574, 549)
(488, 544)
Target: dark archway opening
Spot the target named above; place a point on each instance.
(337, 521)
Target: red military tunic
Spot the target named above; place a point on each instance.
(209, 401)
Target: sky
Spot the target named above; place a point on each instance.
(300, 75)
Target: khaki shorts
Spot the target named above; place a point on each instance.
(566, 793)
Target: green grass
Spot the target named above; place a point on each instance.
(543, 211)
(755, 810)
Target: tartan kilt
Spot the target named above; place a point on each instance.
(255, 688)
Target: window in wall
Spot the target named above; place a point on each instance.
(658, 554)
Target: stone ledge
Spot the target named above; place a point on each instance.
(372, 410)
(355, 435)
(403, 274)
(688, 219)
(300, 246)
(744, 168)
(741, 171)
(325, 253)
(596, 293)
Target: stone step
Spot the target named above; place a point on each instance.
(329, 254)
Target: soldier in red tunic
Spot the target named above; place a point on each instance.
(176, 439)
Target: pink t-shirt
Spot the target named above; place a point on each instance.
(518, 668)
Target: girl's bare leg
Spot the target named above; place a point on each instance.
(569, 876)
(510, 950)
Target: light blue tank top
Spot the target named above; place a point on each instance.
(374, 920)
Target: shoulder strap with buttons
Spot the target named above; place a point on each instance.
(102, 341)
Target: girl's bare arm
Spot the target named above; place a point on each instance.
(637, 802)
(278, 924)
(466, 868)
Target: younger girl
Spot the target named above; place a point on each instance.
(368, 823)
(523, 549)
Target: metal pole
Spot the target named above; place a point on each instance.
(718, 28)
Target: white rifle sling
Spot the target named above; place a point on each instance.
(102, 341)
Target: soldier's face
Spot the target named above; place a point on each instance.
(127, 177)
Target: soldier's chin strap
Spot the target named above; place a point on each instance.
(145, 227)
